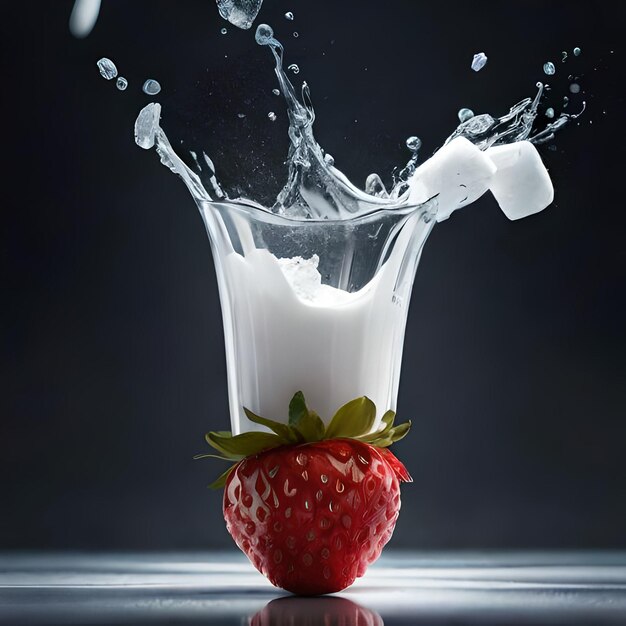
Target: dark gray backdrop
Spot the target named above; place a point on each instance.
(112, 351)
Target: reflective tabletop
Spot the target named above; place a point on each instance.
(401, 588)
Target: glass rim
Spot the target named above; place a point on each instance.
(249, 207)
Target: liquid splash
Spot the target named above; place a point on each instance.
(315, 188)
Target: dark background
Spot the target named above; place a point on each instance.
(112, 352)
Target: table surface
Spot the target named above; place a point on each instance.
(401, 588)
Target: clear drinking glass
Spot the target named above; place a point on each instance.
(336, 332)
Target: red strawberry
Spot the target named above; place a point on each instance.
(311, 516)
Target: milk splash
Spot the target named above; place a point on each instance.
(315, 189)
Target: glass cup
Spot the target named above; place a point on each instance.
(314, 305)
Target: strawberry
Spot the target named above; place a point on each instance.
(313, 507)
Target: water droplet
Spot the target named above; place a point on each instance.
(289, 16)
(241, 115)
(272, 116)
(264, 34)
(107, 68)
(550, 112)
(276, 92)
(548, 68)
(465, 114)
(413, 143)
(565, 101)
(574, 88)
(577, 51)
(294, 68)
(307, 559)
(479, 61)
(329, 159)
(151, 87)
(296, 34)
(121, 83)
(563, 56)
(224, 31)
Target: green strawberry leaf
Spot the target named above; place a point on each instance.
(243, 445)
(297, 408)
(220, 481)
(211, 456)
(282, 430)
(353, 419)
(392, 435)
(310, 427)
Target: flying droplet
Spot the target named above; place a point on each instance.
(413, 143)
(574, 88)
(224, 31)
(550, 112)
(295, 34)
(264, 34)
(329, 159)
(465, 114)
(564, 56)
(548, 68)
(151, 87)
(479, 61)
(272, 116)
(294, 68)
(121, 83)
(107, 68)
(241, 115)
(289, 16)
(565, 101)
(577, 51)
(276, 92)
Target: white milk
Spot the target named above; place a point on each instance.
(290, 333)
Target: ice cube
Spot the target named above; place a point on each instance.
(107, 68)
(240, 13)
(147, 124)
(458, 174)
(302, 275)
(521, 185)
(479, 61)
